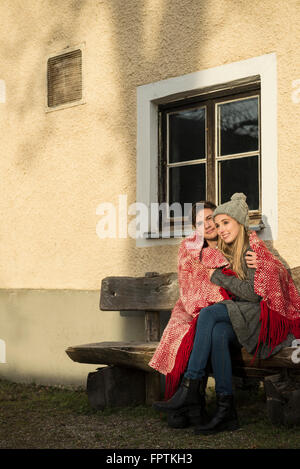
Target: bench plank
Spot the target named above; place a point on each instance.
(138, 354)
(281, 359)
(130, 354)
(153, 293)
(150, 293)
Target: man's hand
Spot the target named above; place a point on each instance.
(251, 259)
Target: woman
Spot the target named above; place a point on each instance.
(257, 304)
(197, 254)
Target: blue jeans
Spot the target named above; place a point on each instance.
(214, 336)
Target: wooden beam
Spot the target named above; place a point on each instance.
(138, 355)
(152, 320)
(152, 326)
(152, 388)
(130, 354)
(154, 292)
(281, 359)
(252, 372)
(157, 293)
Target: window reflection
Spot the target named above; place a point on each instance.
(238, 126)
(240, 175)
(187, 183)
(187, 135)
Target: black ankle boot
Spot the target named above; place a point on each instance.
(178, 418)
(192, 413)
(224, 419)
(187, 416)
(191, 392)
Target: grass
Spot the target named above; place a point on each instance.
(41, 417)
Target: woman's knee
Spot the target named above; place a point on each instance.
(205, 311)
(222, 333)
(216, 312)
(206, 317)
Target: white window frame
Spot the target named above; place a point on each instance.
(151, 95)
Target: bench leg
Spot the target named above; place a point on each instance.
(283, 397)
(114, 386)
(153, 388)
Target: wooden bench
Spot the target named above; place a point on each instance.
(127, 362)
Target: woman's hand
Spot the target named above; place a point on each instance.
(251, 259)
(210, 272)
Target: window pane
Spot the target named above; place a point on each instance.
(187, 184)
(240, 175)
(238, 126)
(187, 135)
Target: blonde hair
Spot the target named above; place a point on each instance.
(235, 251)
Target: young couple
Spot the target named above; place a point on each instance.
(233, 292)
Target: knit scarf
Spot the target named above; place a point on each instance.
(280, 305)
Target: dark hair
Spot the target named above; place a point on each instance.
(196, 206)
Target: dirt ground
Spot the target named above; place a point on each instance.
(42, 417)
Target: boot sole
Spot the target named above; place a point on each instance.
(179, 409)
(229, 426)
(182, 422)
(191, 417)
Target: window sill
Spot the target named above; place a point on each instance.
(259, 227)
(177, 235)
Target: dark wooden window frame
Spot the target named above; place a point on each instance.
(209, 98)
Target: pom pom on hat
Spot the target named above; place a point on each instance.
(236, 208)
(238, 195)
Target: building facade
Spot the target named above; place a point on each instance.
(101, 106)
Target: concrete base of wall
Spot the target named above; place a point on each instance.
(37, 326)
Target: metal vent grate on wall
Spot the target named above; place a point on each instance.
(64, 78)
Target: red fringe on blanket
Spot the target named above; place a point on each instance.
(182, 357)
(183, 354)
(275, 327)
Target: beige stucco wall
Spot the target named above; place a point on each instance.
(57, 167)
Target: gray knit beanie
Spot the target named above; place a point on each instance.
(236, 208)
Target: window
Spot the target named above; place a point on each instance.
(210, 148)
(64, 79)
(225, 82)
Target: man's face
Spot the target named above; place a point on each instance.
(205, 225)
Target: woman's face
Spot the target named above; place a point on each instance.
(227, 227)
(205, 224)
